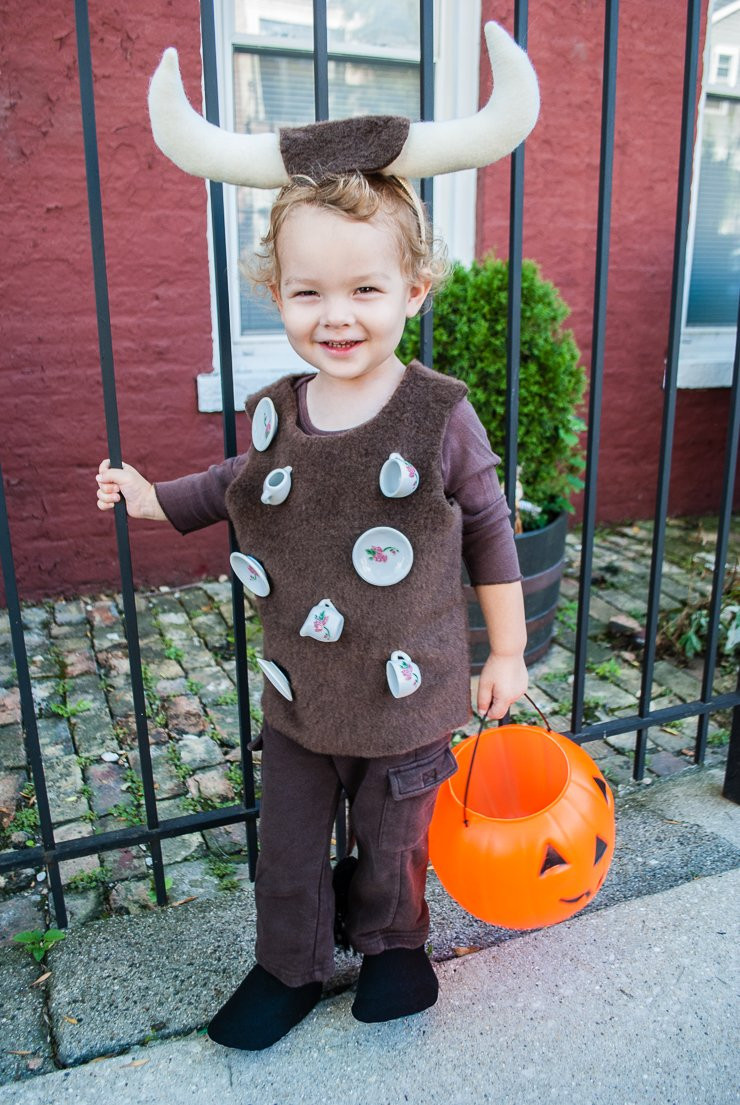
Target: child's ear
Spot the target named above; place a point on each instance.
(274, 290)
(417, 294)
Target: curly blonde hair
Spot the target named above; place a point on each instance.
(359, 197)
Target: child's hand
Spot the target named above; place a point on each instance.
(140, 496)
(502, 681)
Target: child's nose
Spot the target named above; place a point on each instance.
(338, 312)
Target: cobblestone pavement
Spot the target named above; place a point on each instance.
(79, 663)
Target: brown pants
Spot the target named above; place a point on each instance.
(391, 803)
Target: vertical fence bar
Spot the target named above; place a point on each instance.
(95, 209)
(606, 166)
(223, 317)
(720, 559)
(28, 710)
(320, 61)
(426, 112)
(514, 300)
(731, 788)
(674, 340)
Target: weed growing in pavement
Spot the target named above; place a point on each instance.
(37, 942)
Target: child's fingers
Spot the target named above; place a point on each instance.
(110, 475)
(107, 499)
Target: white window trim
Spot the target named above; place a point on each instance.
(706, 353)
(258, 359)
(730, 52)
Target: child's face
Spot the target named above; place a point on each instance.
(342, 295)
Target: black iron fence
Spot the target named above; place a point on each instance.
(51, 852)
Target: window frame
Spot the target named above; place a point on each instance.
(706, 353)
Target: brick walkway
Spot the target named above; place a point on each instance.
(79, 665)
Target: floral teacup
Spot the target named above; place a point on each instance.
(324, 622)
(403, 674)
(398, 478)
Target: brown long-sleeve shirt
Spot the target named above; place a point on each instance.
(468, 472)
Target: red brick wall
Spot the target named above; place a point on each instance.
(560, 213)
(52, 430)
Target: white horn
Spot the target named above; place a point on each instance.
(200, 148)
(478, 140)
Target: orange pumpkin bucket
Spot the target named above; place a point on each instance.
(522, 835)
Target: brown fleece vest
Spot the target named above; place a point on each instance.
(342, 704)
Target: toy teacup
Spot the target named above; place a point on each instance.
(276, 487)
(398, 478)
(324, 622)
(403, 674)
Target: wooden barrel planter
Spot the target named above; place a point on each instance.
(541, 558)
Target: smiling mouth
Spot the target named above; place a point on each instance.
(341, 344)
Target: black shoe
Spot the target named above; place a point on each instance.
(261, 1011)
(395, 983)
(340, 881)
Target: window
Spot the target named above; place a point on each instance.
(266, 82)
(713, 255)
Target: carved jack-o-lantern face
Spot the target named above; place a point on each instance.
(540, 828)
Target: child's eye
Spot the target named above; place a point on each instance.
(366, 288)
(304, 292)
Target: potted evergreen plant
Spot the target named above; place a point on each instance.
(470, 343)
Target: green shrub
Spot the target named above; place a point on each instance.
(470, 343)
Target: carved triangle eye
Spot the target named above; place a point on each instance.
(602, 787)
(601, 847)
(552, 859)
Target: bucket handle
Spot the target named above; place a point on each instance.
(483, 721)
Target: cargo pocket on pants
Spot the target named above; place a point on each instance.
(410, 797)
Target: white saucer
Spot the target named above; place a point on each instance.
(277, 677)
(251, 573)
(390, 563)
(264, 424)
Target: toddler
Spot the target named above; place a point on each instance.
(348, 258)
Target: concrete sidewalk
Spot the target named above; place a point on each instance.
(630, 1003)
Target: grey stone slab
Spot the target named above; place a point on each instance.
(219, 590)
(107, 782)
(12, 751)
(171, 966)
(94, 732)
(226, 721)
(169, 688)
(665, 763)
(166, 781)
(677, 680)
(81, 906)
(63, 781)
(46, 695)
(176, 849)
(10, 706)
(195, 601)
(26, 1046)
(70, 613)
(121, 702)
(695, 800)
(211, 784)
(197, 752)
(55, 738)
(227, 839)
(20, 913)
(103, 613)
(84, 864)
(185, 715)
(35, 617)
(173, 617)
